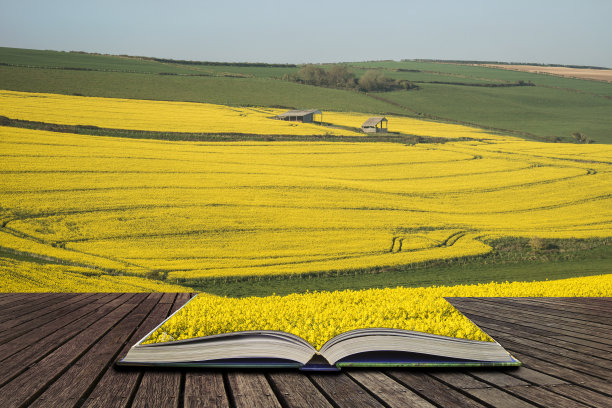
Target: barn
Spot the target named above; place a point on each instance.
(306, 116)
(371, 125)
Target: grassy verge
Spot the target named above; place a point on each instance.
(512, 259)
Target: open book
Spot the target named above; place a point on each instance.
(369, 347)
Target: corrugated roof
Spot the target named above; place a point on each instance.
(373, 121)
(303, 112)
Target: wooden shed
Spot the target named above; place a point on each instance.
(371, 125)
(306, 116)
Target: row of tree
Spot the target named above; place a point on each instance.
(340, 76)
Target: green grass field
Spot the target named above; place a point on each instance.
(515, 262)
(219, 90)
(554, 107)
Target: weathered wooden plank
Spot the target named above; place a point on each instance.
(183, 297)
(46, 329)
(543, 396)
(10, 314)
(251, 390)
(558, 359)
(15, 299)
(205, 390)
(117, 386)
(26, 312)
(584, 342)
(74, 383)
(165, 382)
(550, 305)
(504, 328)
(555, 305)
(168, 298)
(535, 377)
(498, 398)
(502, 321)
(344, 391)
(432, 389)
(567, 316)
(459, 379)
(485, 386)
(567, 374)
(604, 352)
(83, 318)
(501, 329)
(603, 301)
(595, 305)
(26, 327)
(551, 348)
(44, 300)
(158, 389)
(572, 327)
(536, 325)
(22, 389)
(388, 390)
(499, 379)
(519, 312)
(295, 390)
(583, 395)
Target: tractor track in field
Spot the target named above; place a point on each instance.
(61, 244)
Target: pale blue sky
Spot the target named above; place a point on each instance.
(542, 31)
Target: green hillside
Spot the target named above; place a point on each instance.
(488, 97)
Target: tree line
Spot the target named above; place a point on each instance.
(340, 76)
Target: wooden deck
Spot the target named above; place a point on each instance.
(58, 350)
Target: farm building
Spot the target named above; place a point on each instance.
(306, 116)
(371, 125)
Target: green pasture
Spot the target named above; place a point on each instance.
(542, 112)
(512, 259)
(219, 90)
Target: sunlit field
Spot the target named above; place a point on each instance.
(191, 210)
(161, 116)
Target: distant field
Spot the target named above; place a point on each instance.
(482, 96)
(582, 73)
(219, 90)
(82, 61)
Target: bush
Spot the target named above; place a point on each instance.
(581, 138)
(537, 243)
(340, 76)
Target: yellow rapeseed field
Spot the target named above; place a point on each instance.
(197, 210)
(319, 316)
(211, 209)
(28, 276)
(159, 116)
